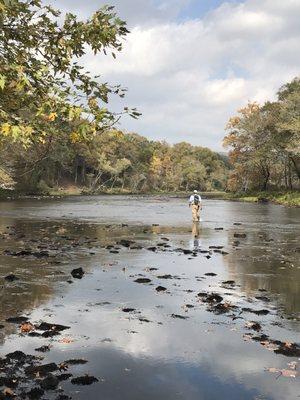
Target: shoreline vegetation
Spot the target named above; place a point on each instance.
(285, 198)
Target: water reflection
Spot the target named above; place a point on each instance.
(196, 358)
(196, 235)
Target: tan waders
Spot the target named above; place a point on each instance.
(195, 212)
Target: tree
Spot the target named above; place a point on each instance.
(264, 143)
(289, 122)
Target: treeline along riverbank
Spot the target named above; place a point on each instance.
(57, 132)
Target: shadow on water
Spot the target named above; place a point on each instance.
(168, 346)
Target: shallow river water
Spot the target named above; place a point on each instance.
(140, 342)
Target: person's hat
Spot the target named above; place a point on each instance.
(195, 191)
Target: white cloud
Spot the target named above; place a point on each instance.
(188, 77)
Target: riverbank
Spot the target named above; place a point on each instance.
(290, 199)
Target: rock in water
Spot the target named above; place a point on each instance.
(84, 380)
(77, 273)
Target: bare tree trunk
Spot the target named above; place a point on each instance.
(296, 164)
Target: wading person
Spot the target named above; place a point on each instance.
(195, 203)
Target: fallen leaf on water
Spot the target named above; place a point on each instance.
(247, 337)
(63, 366)
(268, 345)
(287, 373)
(26, 327)
(66, 340)
(293, 365)
(8, 392)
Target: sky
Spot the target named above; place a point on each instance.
(190, 64)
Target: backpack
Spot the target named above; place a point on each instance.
(196, 200)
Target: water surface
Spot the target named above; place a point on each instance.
(148, 353)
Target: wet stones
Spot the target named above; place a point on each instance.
(257, 312)
(152, 248)
(222, 308)
(50, 382)
(263, 298)
(240, 235)
(166, 276)
(43, 349)
(11, 278)
(210, 274)
(17, 320)
(76, 361)
(84, 380)
(128, 309)
(288, 349)
(77, 273)
(19, 356)
(142, 280)
(46, 326)
(35, 393)
(42, 370)
(160, 289)
(253, 325)
(178, 316)
(125, 242)
(187, 251)
(24, 253)
(210, 297)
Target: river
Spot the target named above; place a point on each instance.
(161, 338)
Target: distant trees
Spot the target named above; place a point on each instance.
(264, 143)
(120, 162)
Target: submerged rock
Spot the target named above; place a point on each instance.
(11, 278)
(76, 361)
(47, 326)
(17, 320)
(257, 312)
(166, 276)
(50, 382)
(239, 235)
(84, 380)
(288, 349)
(160, 289)
(35, 393)
(178, 316)
(77, 273)
(43, 369)
(142, 280)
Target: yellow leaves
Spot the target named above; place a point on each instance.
(249, 109)
(74, 113)
(51, 117)
(5, 129)
(93, 103)
(20, 133)
(2, 81)
(233, 122)
(74, 137)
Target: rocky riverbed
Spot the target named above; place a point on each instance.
(127, 309)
